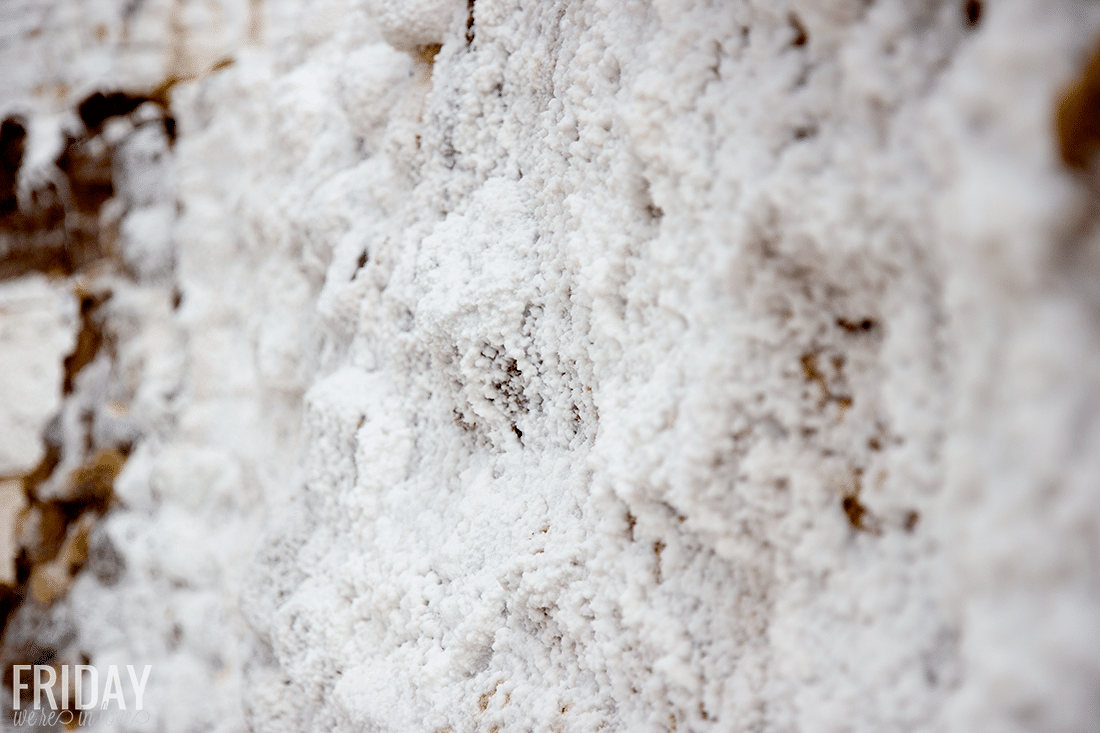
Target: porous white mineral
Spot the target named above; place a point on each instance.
(602, 365)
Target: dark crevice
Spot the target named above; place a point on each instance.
(170, 129)
(658, 548)
(13, 135)
(98, 108)
(88, 340)
(9, 601)
(855, 510)
(800, 34)
(972, 11)
(469, 22)
(364, 257)
(865, 325)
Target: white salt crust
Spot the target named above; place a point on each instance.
(38, 321)
(524, 385)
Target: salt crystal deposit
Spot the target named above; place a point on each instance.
(546, 366)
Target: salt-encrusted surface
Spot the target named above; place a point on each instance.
(38, 323)
(55, 53)
(695, 366)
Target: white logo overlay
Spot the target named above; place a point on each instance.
(51, 695)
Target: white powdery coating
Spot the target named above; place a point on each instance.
(38, 322)
(410, 25)
(547, 369)
(602, 380)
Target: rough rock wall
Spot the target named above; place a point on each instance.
(637, 366)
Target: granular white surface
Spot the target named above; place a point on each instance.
(725, 366)
(38, 322)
